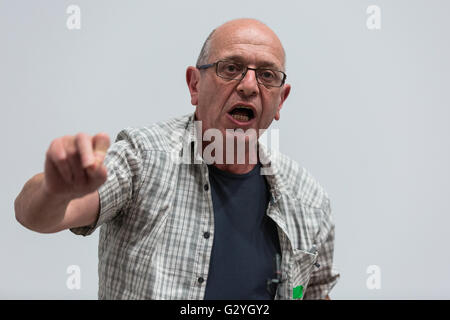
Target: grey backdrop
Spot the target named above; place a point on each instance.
(368, 116)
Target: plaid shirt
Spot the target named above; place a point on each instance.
(155, 208)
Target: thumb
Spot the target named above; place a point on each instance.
(101, 144)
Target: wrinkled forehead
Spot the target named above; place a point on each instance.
(249, 44)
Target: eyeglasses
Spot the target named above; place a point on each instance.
(235, 71)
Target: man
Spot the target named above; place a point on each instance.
(205, 228)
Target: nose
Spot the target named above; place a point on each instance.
(248, 86)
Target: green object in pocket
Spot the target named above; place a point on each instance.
(297, 292)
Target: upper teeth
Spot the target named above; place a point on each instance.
(244, 107)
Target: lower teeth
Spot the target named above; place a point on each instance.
(240, 117)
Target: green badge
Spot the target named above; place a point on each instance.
(297, 292)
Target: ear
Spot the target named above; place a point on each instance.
(284, 94)
(192, 79)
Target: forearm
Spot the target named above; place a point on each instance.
(38, 210)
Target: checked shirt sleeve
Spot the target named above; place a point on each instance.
(124, 165)
(325, 277)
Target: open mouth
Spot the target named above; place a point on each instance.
(242, 113)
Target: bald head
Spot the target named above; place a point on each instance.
(234, 32)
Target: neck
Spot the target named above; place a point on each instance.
(235, 168)
(229, 161)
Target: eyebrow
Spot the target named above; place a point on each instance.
(261, 64)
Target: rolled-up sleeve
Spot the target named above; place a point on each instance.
(124, 165)
(326, 276)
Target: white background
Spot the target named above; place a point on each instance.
(368, 116)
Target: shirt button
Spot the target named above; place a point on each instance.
(206, 187)
(200, 280)
(206, 235)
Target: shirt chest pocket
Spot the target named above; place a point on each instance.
(303, 264)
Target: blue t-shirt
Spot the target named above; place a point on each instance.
(245, 238)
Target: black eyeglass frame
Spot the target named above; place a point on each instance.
(206, 66)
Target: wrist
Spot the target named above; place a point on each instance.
(54, 197)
